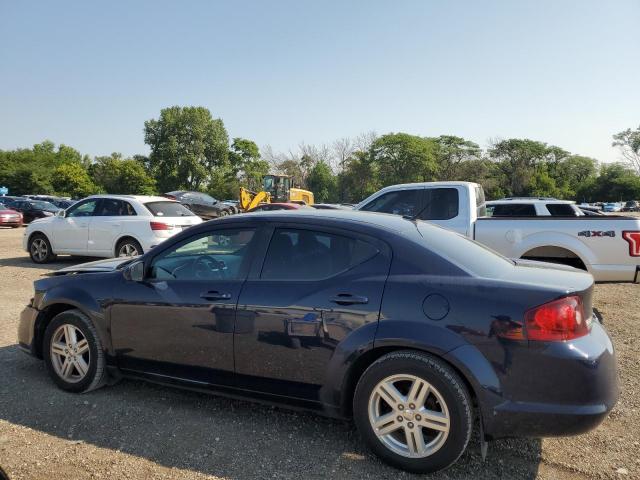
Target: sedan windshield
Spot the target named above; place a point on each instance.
(40, 205)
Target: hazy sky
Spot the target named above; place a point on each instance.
(88, 74)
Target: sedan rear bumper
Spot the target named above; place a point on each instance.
(550, 389)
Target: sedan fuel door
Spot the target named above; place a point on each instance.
(178, 321)
(315, 288)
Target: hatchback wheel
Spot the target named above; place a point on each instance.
(73, 352)
(413, 411)
(128, 248)
(40, 249)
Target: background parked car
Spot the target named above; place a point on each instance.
(532, 207)
(108, 226)
(9, 217)
(203, 205)
(631, 206)
(270, 207)
(34, 209)
(332, 206)
(611, 207)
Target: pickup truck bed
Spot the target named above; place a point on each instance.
(607, 246)
(591, 243)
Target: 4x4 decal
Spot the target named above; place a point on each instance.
(597, 233)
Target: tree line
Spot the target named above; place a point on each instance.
(191, 150)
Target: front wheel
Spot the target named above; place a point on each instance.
(413, 411)
(40, 249)
(73, 352)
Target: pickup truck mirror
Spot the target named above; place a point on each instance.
(135, 271)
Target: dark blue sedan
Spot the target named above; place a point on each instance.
(410, 329)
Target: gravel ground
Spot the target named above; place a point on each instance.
(140, 430)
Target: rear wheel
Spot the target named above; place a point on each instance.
(40, 249)
(413, 411)
(128, 248)
(73, 352)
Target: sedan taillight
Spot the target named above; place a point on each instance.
(556, 321)
(160, 226)
(559, 320)
(633, 237)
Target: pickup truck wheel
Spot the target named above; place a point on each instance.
(413, 411)
(73, 353)
(40, 249)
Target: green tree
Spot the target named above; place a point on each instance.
(322, 182)
(28, 170)
(358, 179)
(628, 141)
(71, 179)
(117, 175)
(246, 164)
(187, 145)
(616, 182)
(518, 159)
(403, 158)
(451, 152)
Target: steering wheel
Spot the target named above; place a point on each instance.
(205, 265)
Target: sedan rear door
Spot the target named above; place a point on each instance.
(315, 287)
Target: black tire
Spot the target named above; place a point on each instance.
(129, 243)
(96, 375)
(223, 213)
(449, 385)
(39, 243)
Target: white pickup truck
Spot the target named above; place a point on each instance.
(607, 246)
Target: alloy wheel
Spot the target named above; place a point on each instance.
(70, 355)
(128, 250)
(409, 416)
(39, 249)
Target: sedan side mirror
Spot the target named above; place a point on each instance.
(135, 271)
(61, 213)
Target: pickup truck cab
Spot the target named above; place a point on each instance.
(606, 246)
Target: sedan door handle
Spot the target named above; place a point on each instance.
(215, 295)
(348, 299)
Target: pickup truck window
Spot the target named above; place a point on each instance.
(400, 202)
(434, 203)
(440, 204)
(561, 210)
(512, 210)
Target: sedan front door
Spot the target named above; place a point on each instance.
(179, 321)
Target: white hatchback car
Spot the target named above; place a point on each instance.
(107, 226)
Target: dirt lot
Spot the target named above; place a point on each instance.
(139, 430)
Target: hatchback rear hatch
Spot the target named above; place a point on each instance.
(171, 216)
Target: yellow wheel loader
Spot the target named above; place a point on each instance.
(275, 188)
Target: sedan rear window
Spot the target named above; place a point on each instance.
(168, 209)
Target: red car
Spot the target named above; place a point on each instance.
(268, 207)
(9, 218)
